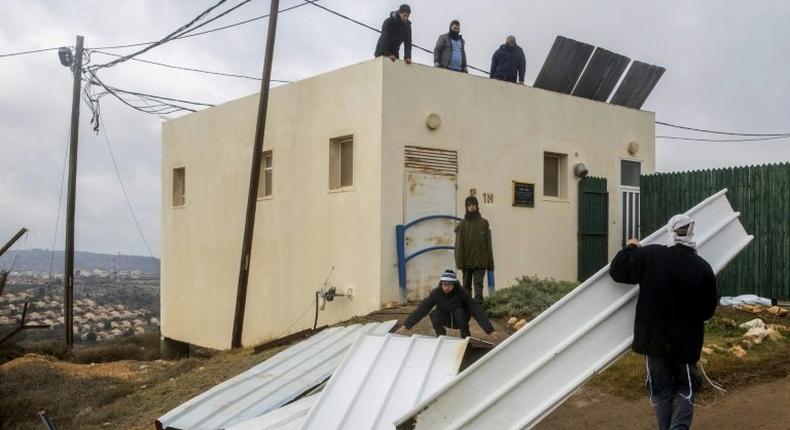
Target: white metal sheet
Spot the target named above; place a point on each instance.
(271, 384)
(524, 378)
(288, 417)
(381, 378)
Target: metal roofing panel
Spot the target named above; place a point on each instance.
(381, 378)
(525, 377)
(637, 84)
(601, 75)
(288, 417)
(271, 384)
(563, 65)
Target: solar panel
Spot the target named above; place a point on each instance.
(563, 65)
(637, 84)
(601, 75)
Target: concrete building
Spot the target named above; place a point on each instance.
(353, 153)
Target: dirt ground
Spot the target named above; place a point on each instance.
(757, 407)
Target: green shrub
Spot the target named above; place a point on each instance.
(527, 298)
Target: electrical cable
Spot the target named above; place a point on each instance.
(33, 51)
(297, 319)
(192, 69)
(60, 203)
(181, 30)
(695, 139)
(125, 194)
(727, 133)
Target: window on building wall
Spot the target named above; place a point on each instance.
(630, 172)
(554, 171)
(179, 186)
(341, 162)
(629, 199)
(265, 184)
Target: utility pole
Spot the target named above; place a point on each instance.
(252, 196)
(68, 275)
(12, 240)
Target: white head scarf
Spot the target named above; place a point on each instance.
(680, 231)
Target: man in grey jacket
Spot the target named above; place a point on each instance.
(449, 52)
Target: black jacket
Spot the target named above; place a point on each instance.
(457, 298)
(677, 293)
(508, 64)
(394, 32)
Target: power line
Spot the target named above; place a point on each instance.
(348, 18)
(34, 51)
(694, 139)
(125, 194)
(60, 202)
(727, 133)
(180, 31)
(192, 69)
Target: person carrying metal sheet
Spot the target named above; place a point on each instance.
(395, 30)
(474, 253)
(450, 306)
(677, 293)
(508, 62)
(450, 50)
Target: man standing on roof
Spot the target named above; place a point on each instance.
(454, 308)
(677, 293)
(395, 30)
(474, 253)
(450, 52)
(509, 62)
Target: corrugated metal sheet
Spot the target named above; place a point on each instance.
(601, 75)
(639, 81)
(523, 379)
(288, 417)
(563, 65)
(383, 377)
(271, 384)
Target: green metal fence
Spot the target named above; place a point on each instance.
(760, 193)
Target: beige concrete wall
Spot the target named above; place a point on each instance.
(301, 231)
(501, 131)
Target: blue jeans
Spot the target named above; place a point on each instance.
(672, 386)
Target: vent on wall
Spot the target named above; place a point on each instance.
(431, 160)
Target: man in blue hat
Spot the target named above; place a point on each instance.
(450, 306)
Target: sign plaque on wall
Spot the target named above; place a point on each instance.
(523, 194)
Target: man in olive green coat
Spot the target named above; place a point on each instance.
(473, 252)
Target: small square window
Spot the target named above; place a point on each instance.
(341, 162)
(179, 186)
(265, 180)
(554, 172)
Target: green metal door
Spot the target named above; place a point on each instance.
(593, 226)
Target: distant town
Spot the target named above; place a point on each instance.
(108, 304)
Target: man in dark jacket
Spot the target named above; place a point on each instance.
(509, 62)
(677, 293)
(395, 30)
(473, 251)
(450, 51)
(454, 308)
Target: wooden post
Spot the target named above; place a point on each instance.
(255, 171)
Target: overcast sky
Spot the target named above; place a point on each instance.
(726, 69)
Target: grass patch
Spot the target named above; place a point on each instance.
(764, 362)
(527, 298)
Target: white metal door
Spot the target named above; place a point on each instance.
(428, 194)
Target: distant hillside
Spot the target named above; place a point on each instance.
(38, 260)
